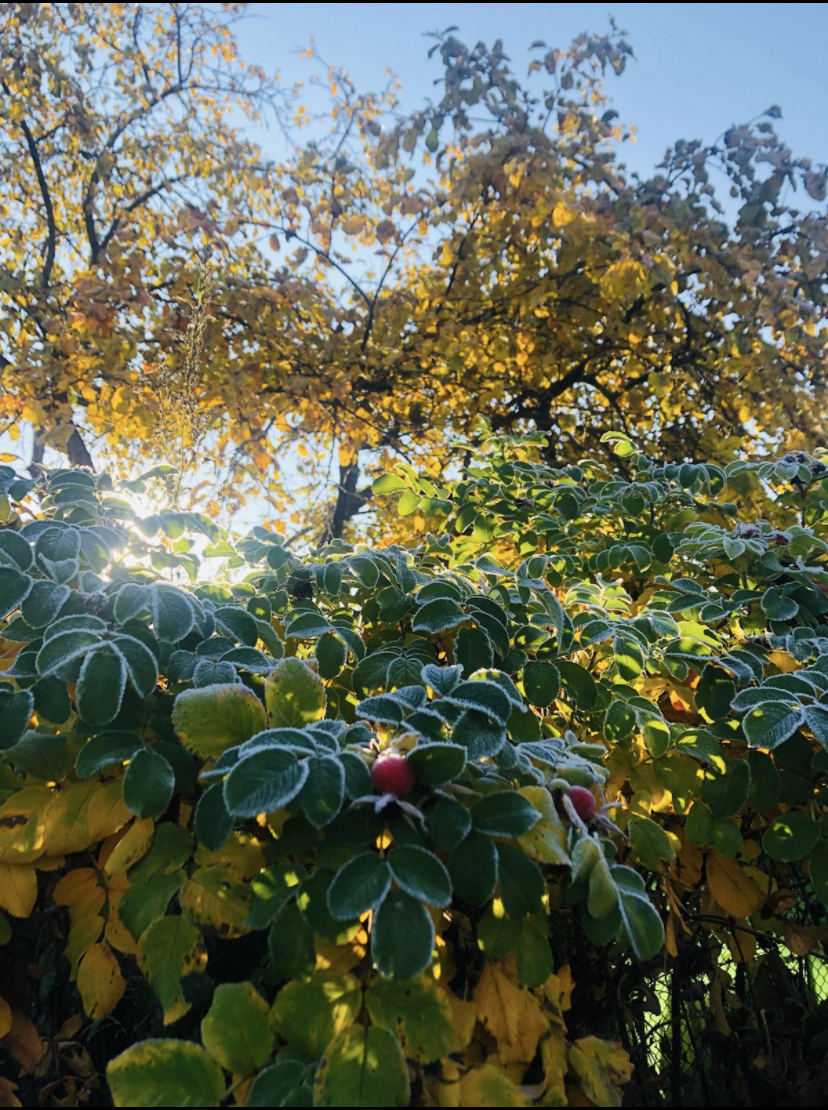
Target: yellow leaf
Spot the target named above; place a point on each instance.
(546, 840)
(562, 214)
(215, 898)
(107, 811)
(445, 1088)
(602, 1067)
(80, 885)
(5, 1017)
(131, 847)
(23, 1043)
(23, 842)
(489, 1085)
(734, 891)
(553, 1050)
(511, 1014)
(463, 1018)
(18, 889)
(7, 1095)
(100, 981)
(557, 990)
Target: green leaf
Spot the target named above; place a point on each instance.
(41, 754)
(542, 682)
(307, 626)
(777, 606)
(479, 734)
(473, 650)
(770, 724)
(506, 813)
(362, 1067)
(324, 790)
(791, 836)
(148, 783)
(294, 694)
(483, 697)
(533, 955)
(172, 612)
(170, 949)
(44, 602)
(448, 823)
(619, 721)
(140, 662)
(52, 700)
(726, 837)
(698, 825)
(331, 654)
(388, 483)
(402, 937)
(238, 623)
(417, 1012)
(421, 874)
(579, 684)
(764, 781)
(629, 657)
(357, 775)
(650, 842)
(435, 764)
(15, 711)
(264, 782)
(165, 1073)
(726, 787)
(438, 616)
(101, 686)
(714, 692)
(603, 897)
(522, 885)
(212, 719)
(408, 503)
(213, 824)
(473, 869)
(106, 750)
(14, 550)
(271, 890)
(640, 919)
(819, 871)
(145, 902)
(291, 945)
(309, 1015)
(274, 1085)
(312, 901)
(236, 1030)
(14, 587)
(656, 733)
(358, 886)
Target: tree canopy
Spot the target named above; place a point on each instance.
(396, 276)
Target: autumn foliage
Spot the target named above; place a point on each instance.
(501, 781)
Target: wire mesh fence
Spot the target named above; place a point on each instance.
(734, 1022)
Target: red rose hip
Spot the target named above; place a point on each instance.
(583, 802)
(393, 774)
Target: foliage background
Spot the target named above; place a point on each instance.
(576, 412)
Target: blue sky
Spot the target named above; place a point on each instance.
(699, 67)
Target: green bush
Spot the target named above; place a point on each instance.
(611, 694)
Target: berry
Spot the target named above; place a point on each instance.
(393, 774)
(583, 801)
(747, 531)
(781, 539)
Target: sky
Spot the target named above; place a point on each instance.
(699, 67)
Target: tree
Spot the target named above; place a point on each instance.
(530, 280)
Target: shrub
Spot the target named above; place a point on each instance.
(198, 850)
